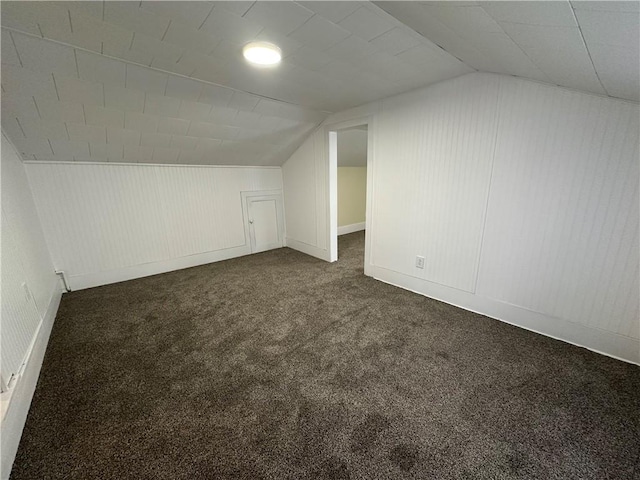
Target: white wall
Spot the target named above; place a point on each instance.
(352, 197)
(27, 318)
(561, 233)
(23, 227)
(434, 150)
(304, 177)
(107, 223)
(523, 197)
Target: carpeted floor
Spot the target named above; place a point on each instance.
(281, 366)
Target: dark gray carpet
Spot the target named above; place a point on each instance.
(281, 366)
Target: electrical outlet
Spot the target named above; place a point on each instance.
(419, 262)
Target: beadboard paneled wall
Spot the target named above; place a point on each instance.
(20, 316)
(522, 197)
(433, 153)
(106, 223)
(30, 294)
(305, 197)
(561, 234)
(25, 261)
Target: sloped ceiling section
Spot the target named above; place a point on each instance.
(165, 82)
(591, 46)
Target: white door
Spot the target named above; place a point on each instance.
(265, 222)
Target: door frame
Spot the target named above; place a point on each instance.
(274, 194)
(331, 142)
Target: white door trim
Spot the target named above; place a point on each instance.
(330, 133)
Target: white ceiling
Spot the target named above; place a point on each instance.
(352, 147)
(165, 82)
(590, 46)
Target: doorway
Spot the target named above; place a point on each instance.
(350, 182)
(264, 220)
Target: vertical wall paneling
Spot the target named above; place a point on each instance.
(305, 177)
(434, 154)
(23, 221)
(107, 223)
(521, 196)
(300, 197)
(28, 280)
(30, 294)
(562, 225)
(306, 188)
(20, 317)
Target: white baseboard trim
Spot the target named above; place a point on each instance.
(22, 393)
(308, 249)
(607, 343)
(95, 279)
(354, 227)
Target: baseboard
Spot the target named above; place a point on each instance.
(354, 227)
(308, 249)
(607, 343)
(22, 393)
(95, 279)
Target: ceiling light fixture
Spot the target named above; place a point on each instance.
(262, 53)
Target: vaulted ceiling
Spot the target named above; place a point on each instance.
(165, 82)
(587, 45)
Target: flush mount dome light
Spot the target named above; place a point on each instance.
(262, 53)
